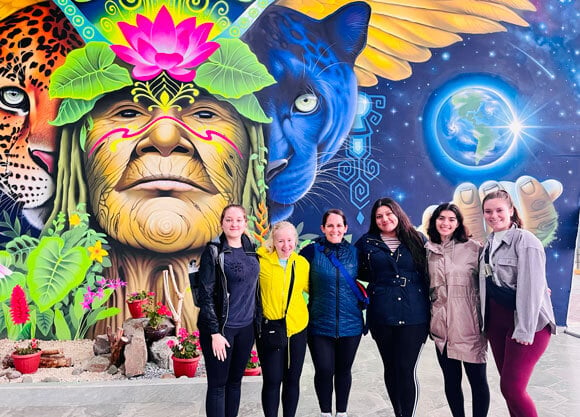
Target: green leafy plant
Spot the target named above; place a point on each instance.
(59, 276)
(32, 347)
(187, 346)
(156, 313)
(254, 361)
(141, 295)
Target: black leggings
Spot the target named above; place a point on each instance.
(477, 379)
(224, 379)
(276, 372)
(332, 358)
(400, 347)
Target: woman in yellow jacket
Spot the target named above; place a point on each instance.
(278, 262)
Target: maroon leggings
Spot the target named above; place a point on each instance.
(515, 362)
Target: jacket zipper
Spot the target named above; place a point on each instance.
(337, 303)
(225, 286)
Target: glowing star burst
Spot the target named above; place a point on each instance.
(161, 46)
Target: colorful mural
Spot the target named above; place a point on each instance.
(129, 125)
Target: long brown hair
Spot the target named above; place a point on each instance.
(405, 231)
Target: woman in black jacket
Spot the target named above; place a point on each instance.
(228, 298)
(392, 259)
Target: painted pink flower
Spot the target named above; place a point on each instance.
(161, 46)
(19, 306)
(4, 271)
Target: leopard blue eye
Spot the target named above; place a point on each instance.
(15, 100)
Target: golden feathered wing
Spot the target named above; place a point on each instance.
(403, 31)
(7, 7)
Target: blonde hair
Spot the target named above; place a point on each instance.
(276, 228)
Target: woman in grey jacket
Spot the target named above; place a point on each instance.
(519, 318)
(453, 263)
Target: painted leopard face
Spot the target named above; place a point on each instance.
(34, 41)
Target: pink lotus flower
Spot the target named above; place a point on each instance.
(161, 46)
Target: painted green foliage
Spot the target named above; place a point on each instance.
(87, 74)
(57, 272)
(233, 61)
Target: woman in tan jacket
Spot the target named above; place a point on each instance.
(453, 262)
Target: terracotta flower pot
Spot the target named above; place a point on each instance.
(135, 308)
(27, 364)
(253, 371)
(185, 367)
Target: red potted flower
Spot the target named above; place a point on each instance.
(253, 367)
(185, 353)
(27, 359)
(136, 302)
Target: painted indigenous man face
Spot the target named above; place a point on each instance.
(159, 180)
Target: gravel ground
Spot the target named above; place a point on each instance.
(81, 352)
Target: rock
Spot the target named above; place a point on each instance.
(101, 345)
(112, 370)
(3, 372)
(136, 350)
(161, 353)
(27, 379)
(13, 374)
(98, 364)
(50, 379)
(167, 376)
(77, 371)
(6, 361)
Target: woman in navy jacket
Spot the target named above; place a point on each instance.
(392, 259)
(336, 321)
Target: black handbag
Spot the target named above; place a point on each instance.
(273, 333)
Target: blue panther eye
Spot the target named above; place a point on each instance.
(306, 103)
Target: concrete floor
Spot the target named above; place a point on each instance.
(555, 387)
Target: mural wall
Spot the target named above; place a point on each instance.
(127, 126)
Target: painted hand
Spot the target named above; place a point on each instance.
(534, 201)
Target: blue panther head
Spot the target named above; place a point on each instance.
(313, 104)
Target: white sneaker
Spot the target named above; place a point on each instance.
(325, 415)
(341, 415)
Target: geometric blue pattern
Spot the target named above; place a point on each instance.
(359, 168)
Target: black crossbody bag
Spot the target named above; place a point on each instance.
(504, 296)
(274, 334)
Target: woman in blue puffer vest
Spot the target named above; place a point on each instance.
(336, 321)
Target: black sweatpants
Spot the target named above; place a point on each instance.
(282, 367)
(476, 375)
(224, 379)
(400, 347)
(332, 359)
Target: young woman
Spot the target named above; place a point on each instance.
(279, 264)
(336, 321)
(392, 259)
(230, 306)
(519, 318)
(453, 263)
